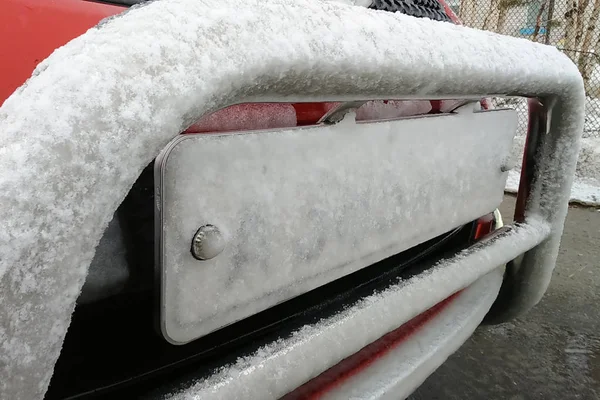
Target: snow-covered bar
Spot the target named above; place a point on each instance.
(317, 347)
(75, 137)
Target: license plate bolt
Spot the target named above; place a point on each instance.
(208, 242)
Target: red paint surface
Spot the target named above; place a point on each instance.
(32, 29)
(436, 106)
(311, 113)
(484, 226)
(353, 365)
(453, 17)
(37, 27)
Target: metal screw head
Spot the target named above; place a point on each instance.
(207, 243)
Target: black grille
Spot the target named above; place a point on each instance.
(111, 350)
(431, 9)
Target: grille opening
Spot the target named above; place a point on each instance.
(112, 348)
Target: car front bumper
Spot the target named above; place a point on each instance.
(429, 316)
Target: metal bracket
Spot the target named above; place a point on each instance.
(338, 113)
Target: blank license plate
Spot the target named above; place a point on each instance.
(283, 212)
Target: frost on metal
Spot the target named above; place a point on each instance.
(74, 138)
(378, 110)
(247, 116)
(404, 367)
(275, 369)
(307, 206)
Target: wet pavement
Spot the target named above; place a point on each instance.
(553, 352)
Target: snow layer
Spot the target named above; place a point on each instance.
(274, 370)
(582, 192)
(74, 138)
(378, 110)
(404, 368)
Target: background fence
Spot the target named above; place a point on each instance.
(570, 25)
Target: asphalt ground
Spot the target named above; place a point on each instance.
(552, 352)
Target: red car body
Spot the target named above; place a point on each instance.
(37, 28)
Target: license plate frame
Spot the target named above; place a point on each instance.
(198, 183)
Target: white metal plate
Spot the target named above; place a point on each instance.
(304, 206)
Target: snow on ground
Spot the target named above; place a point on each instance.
(586, 187)
(583, 191)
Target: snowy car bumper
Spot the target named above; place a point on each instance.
(397, 363)
(410, 326)
(65, 168)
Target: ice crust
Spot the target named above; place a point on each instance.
(275, 369)
(74, 137)
(405, 367)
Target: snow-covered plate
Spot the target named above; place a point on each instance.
(248, 220)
